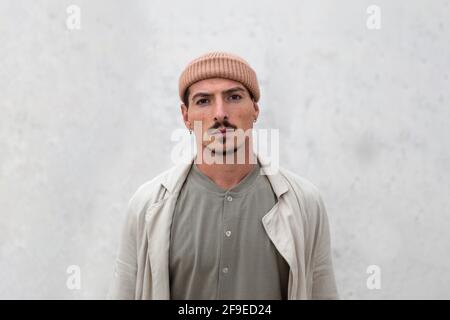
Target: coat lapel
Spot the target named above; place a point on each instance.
(279, 224)
(158, 219)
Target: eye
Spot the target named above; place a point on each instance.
(235, 97)
(201, 101)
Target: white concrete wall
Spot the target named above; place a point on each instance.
(86, 117)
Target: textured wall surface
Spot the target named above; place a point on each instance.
(86, 116)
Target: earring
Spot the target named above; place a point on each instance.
(254, 120)
(190, 131)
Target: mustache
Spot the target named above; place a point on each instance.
(225, 124)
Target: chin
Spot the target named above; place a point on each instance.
(226, 151)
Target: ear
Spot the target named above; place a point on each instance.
(256, 107)
(184, 113)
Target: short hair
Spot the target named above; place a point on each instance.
(186, 98)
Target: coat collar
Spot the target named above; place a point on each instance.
(176, 176)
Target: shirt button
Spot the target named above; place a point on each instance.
(225, 270)
(228, 233)
(230, 198)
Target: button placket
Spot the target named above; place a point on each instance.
(227, 245)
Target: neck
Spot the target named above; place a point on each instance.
(227, 175)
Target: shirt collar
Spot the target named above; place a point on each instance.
(241, 188)
(173, 181)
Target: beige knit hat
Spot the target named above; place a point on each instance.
(219, 65)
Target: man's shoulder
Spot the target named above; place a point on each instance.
(149, 192)
(300, 184)
(306, 193)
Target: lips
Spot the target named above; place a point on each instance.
(222, 131)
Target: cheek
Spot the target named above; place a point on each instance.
(201, 118)
(246, 115)
(244, 119)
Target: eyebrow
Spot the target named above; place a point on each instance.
(206, 94)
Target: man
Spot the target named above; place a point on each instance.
(218, 229)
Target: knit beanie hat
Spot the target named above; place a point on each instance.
(219, 65)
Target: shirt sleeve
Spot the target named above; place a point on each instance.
(324, 284)
(124, 279)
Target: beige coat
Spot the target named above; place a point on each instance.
(297, 225)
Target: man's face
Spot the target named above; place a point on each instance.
(219, 105)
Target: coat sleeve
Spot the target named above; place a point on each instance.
(124, 279)
(324, 284)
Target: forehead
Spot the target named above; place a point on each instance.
(214, 84)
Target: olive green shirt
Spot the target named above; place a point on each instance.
(219, 248)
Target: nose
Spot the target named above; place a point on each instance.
(220, 112)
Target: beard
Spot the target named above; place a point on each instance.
(229, 150)
(223, 145)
